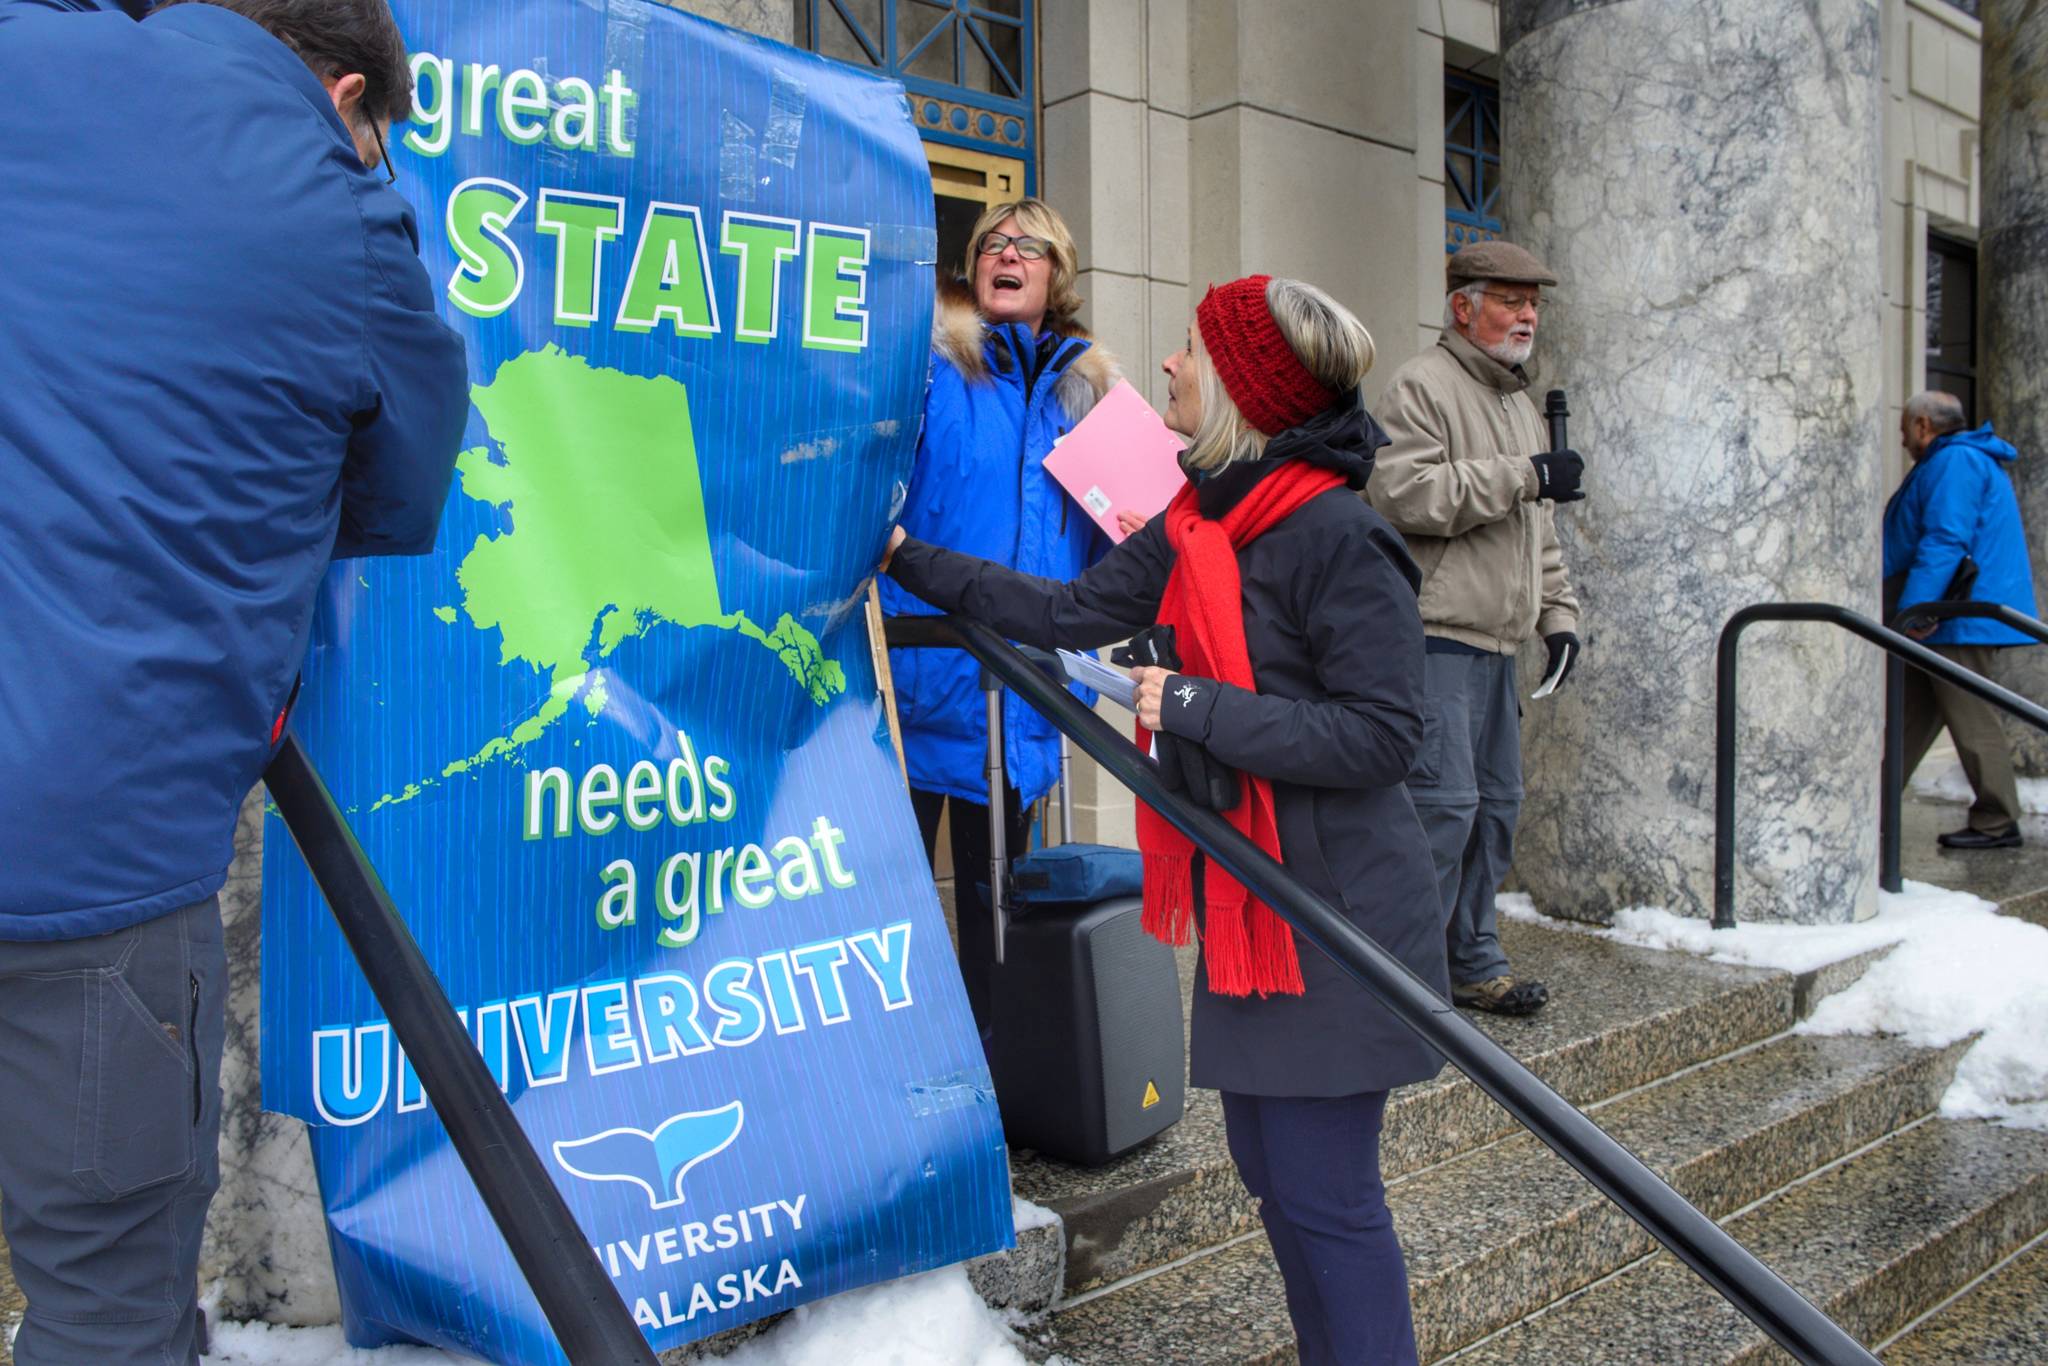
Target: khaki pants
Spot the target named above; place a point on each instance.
(1972, 724)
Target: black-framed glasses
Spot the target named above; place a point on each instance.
(383, 154)
(1030, 248)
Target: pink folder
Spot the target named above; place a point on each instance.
(1119, 456)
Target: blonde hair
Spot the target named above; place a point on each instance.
(1326, 337)
(1038, 219)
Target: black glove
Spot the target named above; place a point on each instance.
(1557, 475)
(1185, 765)
(1564, 646)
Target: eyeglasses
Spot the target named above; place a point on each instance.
(1515, 303)
(1030, 248)
(383, 154)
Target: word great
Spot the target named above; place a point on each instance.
(571, 113)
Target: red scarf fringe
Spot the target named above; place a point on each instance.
(1246, 948)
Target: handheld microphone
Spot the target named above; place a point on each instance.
(1555, 413)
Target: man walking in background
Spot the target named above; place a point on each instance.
(1956, 512)
(1469, 482)
(223, 369)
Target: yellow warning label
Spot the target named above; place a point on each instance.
(1151, 1096)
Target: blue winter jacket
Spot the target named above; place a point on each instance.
(219, 368)
(1958, 500)
(998, 399)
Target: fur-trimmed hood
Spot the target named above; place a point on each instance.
(961, 337)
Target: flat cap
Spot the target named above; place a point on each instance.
(1495, 260)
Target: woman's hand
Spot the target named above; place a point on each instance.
(1151, 681)
(897, 536)
(1129, 522)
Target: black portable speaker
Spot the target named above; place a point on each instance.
(1087, 1049)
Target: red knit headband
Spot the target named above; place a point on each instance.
(1259, 370)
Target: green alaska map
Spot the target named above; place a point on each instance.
(608, 537)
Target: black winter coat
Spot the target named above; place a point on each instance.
(1336, 647)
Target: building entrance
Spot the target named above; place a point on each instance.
(963, 184)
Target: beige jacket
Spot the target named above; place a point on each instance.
(1458, 484)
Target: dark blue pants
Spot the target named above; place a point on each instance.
(1314, 1165)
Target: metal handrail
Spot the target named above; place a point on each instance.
(580, 1301)
(1691, 1236)
(1995, 611)
(1900, 647)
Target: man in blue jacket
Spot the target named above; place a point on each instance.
(1957, 501)
(220, 368)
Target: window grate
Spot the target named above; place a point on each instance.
(966, 64)
(1472, 171)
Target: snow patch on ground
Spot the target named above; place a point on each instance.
(931, 1320)
(247, 1344)
(1945, 781)
(1025, 1215)
(1959, 969)
(934, 1319)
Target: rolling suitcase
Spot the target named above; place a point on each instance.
(1086, 1042)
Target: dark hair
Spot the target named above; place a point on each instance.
(337, 37)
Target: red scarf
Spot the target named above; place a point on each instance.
(1246, 946)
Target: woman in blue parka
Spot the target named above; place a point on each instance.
(1012, 372)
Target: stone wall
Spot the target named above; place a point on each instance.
(1114, 81)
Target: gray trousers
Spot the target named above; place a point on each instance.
(110, 1086)
(1467, 788)
(1973, 725)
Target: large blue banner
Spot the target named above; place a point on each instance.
(616, 747)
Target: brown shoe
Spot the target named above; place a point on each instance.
(1501, 995)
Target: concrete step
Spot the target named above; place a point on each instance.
(2015, 879)
(1497, 1233)
(1874, 1241)
(1620, 1018)
(2002, 1318)
(1500, 1233)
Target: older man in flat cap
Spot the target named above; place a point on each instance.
(1470, 482)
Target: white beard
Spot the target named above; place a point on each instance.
(1510, 352)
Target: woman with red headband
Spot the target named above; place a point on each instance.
(1292, 607)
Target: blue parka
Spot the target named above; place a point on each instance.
(220, 368)
(1958, 500)
(998, 399)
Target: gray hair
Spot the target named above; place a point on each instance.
(1473, 293)
(1943, 411)
(1328, 339)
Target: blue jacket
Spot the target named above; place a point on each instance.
(1958, 500)
(998, 399)
(219, 368)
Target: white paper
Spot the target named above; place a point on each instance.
(1106, 679)
(1556, 675)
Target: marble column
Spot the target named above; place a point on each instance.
(2013, 284)
(1704, 179)
(266, 1236)
(768, 18)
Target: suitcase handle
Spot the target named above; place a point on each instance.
(998, 855)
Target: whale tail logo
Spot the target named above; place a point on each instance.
(656, 1162)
